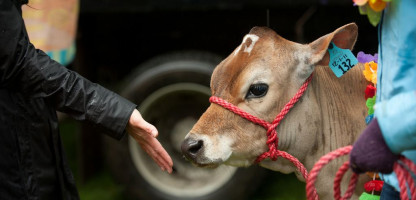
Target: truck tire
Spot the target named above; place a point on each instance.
(172, 92)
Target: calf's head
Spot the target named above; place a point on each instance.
(260, 76)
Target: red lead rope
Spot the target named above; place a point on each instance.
(403, 170)
(272, 139)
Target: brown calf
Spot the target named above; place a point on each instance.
(260, 77)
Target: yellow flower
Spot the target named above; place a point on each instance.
(377, 5)
(370, 72)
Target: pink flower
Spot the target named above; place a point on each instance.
(360, 2)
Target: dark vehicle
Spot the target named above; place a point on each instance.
(160, 54)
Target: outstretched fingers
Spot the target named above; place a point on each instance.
(145, 134)
(155, 150)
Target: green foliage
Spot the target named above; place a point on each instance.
(278, 186)
(100, 187)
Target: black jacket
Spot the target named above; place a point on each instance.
(32, 88)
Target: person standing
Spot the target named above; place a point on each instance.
(32, 88)
(393, 130)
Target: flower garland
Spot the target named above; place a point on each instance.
(370, 74)
(372, 8)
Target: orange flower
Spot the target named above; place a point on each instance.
(370, 72)
(377, 5)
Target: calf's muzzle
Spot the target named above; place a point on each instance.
(191, 148)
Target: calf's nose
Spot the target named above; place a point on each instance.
(190, 148)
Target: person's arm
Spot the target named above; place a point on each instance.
(397, 119)
(29, 71)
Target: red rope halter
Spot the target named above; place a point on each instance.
(272, 139)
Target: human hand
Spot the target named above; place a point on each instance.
(145, 134)
(370, 152)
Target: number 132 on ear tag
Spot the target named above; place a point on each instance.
(340, 60)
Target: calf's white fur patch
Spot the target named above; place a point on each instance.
(217, 147)
(248, 49)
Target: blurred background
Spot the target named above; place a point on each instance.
(160, 54)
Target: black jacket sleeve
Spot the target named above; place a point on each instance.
(30, 71)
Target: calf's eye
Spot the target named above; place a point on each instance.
(257, 90)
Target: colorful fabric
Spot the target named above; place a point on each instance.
(63, 56)
(52, 26)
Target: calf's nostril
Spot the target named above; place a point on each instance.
(195, 146)
(191, 147)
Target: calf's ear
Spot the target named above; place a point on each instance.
(344, 38)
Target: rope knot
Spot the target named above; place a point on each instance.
(273, 153)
